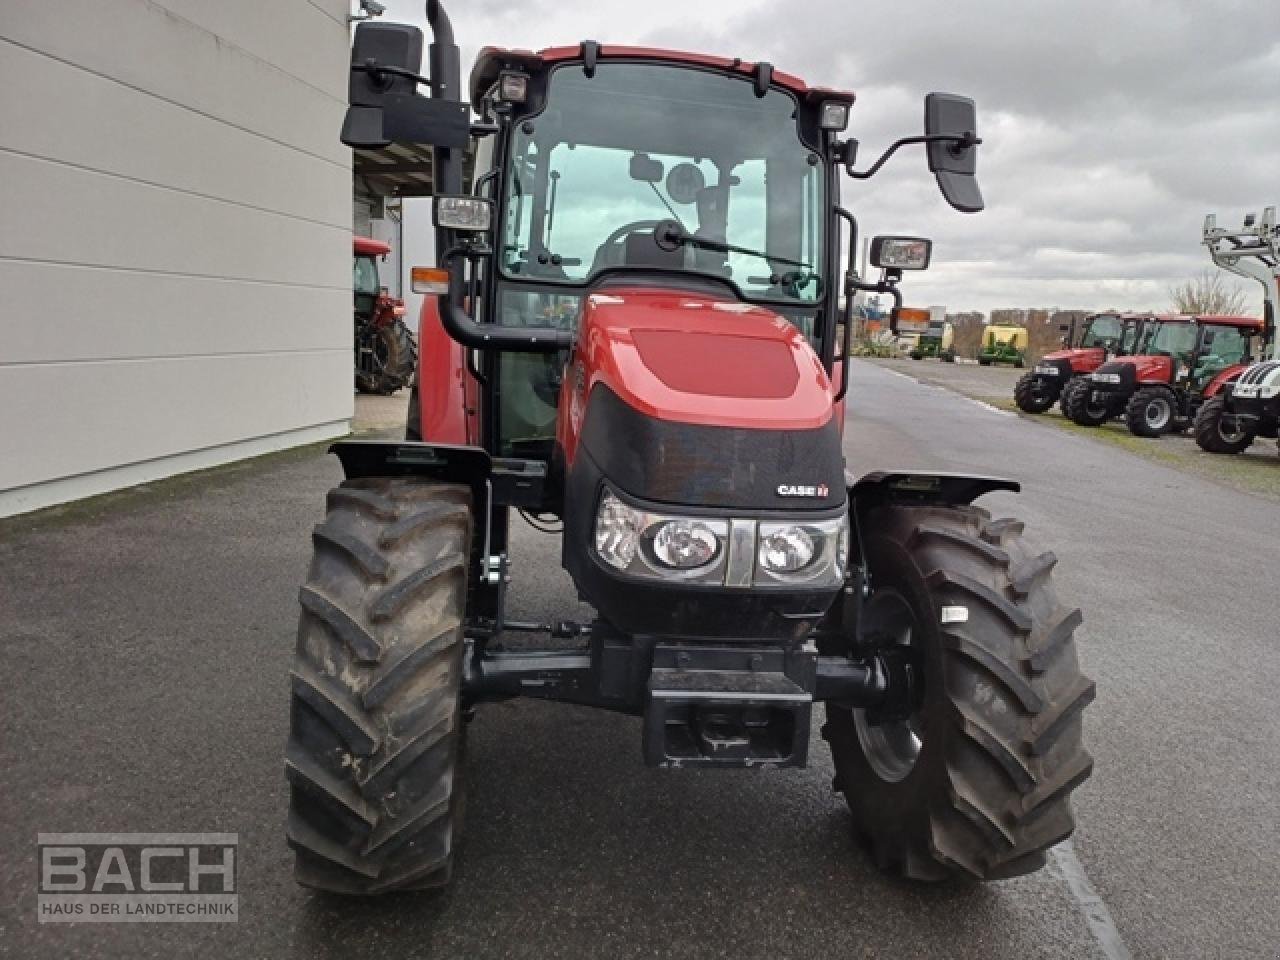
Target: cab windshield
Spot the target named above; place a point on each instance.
(365, 276)
(1169, 339)
(614, 155)
(1105, 330)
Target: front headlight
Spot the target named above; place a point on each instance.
(617, 531)
(696, 550)
(659, 546)
(785, 549)
(811, 553)
(685, 544)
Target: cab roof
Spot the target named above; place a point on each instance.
(367, 247)
(1246, 323)
(492, 60)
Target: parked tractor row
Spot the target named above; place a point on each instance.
(1165, 373)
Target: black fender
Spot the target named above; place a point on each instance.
(438, 462)
(918, 487)
(915, 488)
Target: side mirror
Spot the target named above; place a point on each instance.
(954, 161)
(384, 107)
(901, 253)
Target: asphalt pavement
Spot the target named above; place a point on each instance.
(147, 641)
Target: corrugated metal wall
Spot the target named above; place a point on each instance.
(175, 238)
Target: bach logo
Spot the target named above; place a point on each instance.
(802, 490)
(138, 878)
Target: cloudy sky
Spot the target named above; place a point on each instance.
(1110, 127)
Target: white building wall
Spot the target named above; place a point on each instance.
(175, 238)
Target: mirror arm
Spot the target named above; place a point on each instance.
(379, 72)
(959, 144)
(887, 284)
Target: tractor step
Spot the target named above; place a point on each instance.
(734, 718)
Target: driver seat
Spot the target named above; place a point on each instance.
(641, 250)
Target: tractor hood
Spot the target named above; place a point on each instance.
(1075, 355)
(682, 398)
(1071, 361)
(697, 359)
(1142, 369)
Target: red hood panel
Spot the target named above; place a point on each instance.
(1075, 353)
(717, 364)
(697, 359)
(1149, 369)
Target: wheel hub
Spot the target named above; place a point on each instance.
(891, 733)
(1229, 429)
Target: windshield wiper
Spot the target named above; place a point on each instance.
(671, 235)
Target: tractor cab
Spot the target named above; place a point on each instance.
(365, 282)
(660, 190)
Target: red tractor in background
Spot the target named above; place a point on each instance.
(637, 338)
(1179, 363)
(1055, 375)
(386, 355)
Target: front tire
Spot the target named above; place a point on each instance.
(1034, 394)
(375, 724)
(1219, 432)
(1083, 409)
(1151, 412)
(975, 783)
(1075, 383)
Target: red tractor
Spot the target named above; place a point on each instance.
(1179, 363)
(385, 352)
(1055, 375)
(637, 341)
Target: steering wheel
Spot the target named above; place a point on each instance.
(609, 253)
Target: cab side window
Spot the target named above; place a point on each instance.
(1228, 346)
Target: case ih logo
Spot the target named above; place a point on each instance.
(802, 490)
(137, 878)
